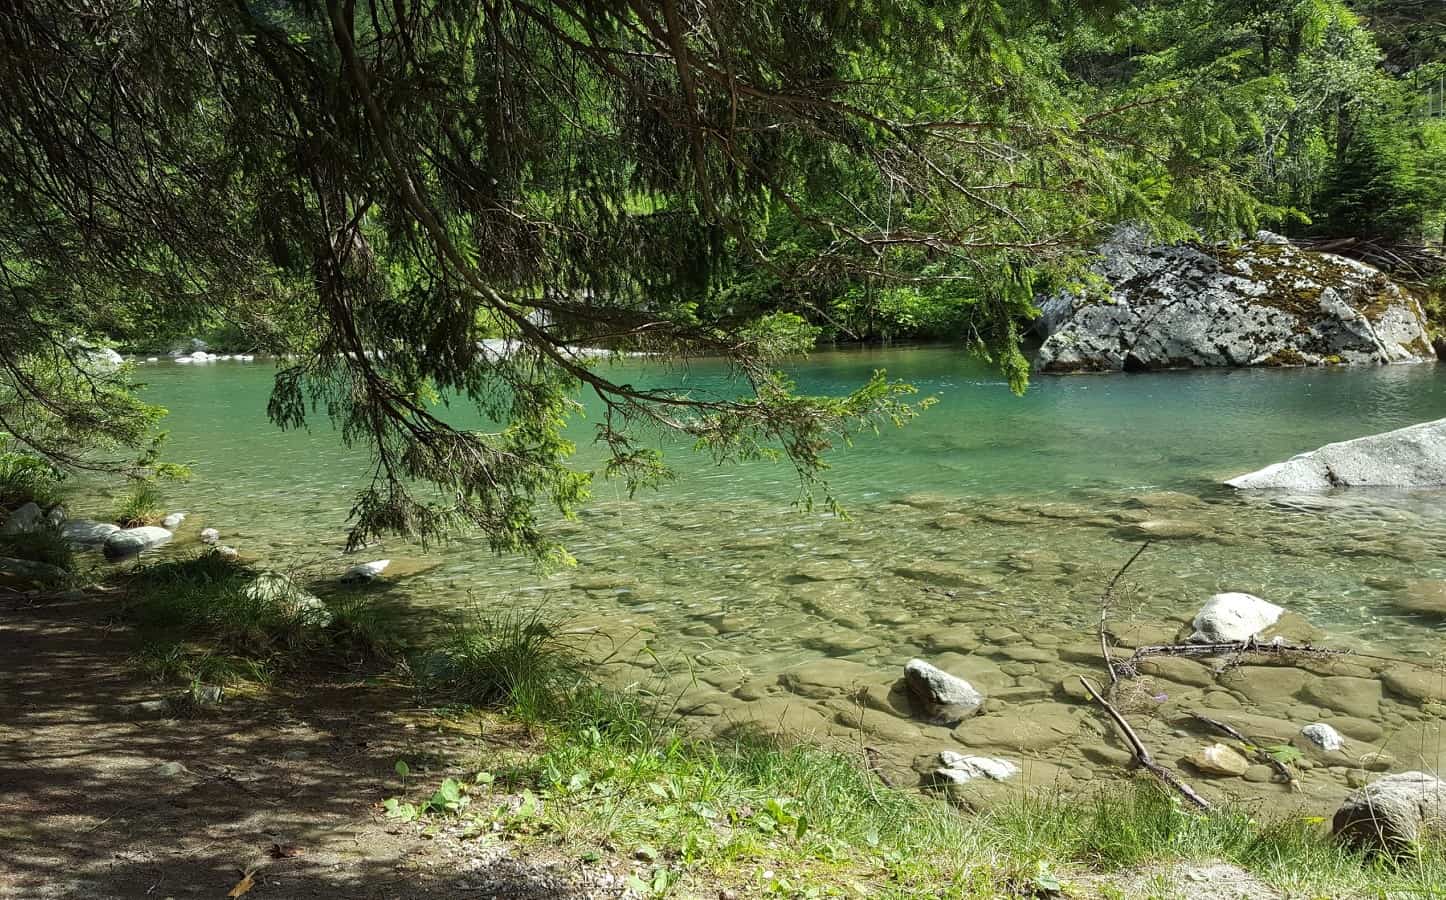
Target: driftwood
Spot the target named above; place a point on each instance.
(1130, 667)
(1260, 755)
(1106, 599)
(1141, 753)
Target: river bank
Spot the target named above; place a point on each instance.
(295, 786)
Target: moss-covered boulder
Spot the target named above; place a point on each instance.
(1264, 303)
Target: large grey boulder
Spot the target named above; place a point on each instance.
(1233, 617)
(939, 697)
(1414, 456)
(130, 541)
(1393, 812)
(87, 532)
(23, 520)
(1265, 303)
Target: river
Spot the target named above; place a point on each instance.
(978, 536)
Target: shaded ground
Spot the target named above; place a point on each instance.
(96, 802)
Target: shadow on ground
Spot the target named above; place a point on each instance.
(99, 798)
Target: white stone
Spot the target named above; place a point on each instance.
(130, 541)
(55, 517)
(1233, 617)
(1322, 737)
(87, 532)
(1414, 456)
(23, 520)
(210, 535)
(960, 769)
(226, 552)
(366, 571)
(174, 520)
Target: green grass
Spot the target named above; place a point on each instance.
(516, 660)
(44, 545)
(142, 505)
(615, 772)
(603, 772)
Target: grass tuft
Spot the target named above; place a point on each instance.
(141, 506)
(43, 545)
(517, 660)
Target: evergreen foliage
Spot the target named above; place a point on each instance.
(380, 188)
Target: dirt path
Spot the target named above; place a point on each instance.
(100, 798)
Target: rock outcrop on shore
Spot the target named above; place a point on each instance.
(1265, 303)
(1409, 457)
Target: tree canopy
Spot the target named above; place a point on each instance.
(432, 201)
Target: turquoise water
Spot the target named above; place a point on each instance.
(990, 522)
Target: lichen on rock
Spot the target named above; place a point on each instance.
(1264, 303)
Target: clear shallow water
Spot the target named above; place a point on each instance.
(986, 526)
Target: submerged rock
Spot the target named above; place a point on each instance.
(23, 520)
(1233, 617)
(1263, 304)
(1426, 597)
(1414, 456)
(173, 521)
(130, 541)
(210, 535)
(940, 698)
(1393, 812)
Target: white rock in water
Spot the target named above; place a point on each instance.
(55, 517)
(23, 520)
(960, 769)
(1414, 456)
(938, 696)
(1321, 737)
(210, 535)
(366, 571)
(226, 552)
(1233, 617)
(130, 541)
(174, 520)
(151, 359)
(87, 532)
(125, 541)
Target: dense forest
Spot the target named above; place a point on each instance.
(342, 182)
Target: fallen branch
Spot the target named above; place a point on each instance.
(1141, 754)
(1260, 755)
(1106, 599)
(1224, 648)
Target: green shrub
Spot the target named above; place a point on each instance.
(25, 478)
